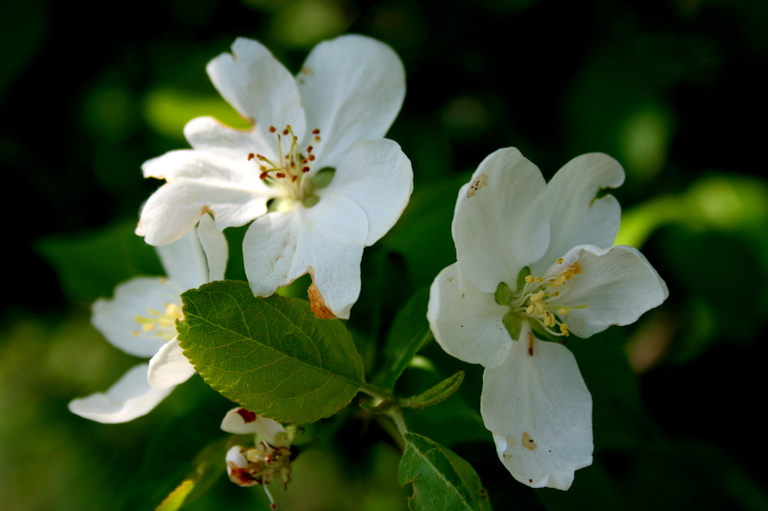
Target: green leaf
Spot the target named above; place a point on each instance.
(440, 478)
(439, 392)
(206, 470)
(270, 355)
(409, 332)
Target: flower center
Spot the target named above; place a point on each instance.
(159, 325)
(536, 299)
(288, 169)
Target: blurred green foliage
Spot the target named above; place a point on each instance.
(672, 89)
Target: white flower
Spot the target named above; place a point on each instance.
(312, 173)
(271, 456)
(141, 320)
(538, 257)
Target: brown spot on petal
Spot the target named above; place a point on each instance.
(528, 442)
(319, 308)
(307, 71)
(247, 415)
(481, 181)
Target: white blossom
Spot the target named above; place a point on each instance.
(535, 262)
(141, 320)
(313, 174)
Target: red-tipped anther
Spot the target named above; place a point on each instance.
(316, 131)
(317, 139)
(263, 175)
(311, 157)
(305, 169)
(279, 175)
(285, 131)
(272, 129)
(261, 157)
(251, 156)
(294, 178)
(309, 149)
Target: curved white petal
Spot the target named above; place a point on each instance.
(499, 226)
(259, 87)
(325, 240)
(184, 261)
(129, 398)
(138, 297)
(210, 135)
(578, 217)
(353, 87)
(466, 321)
(175, 208)
(378, 177)
(215, 246)
(169, 367)
(617, 284)
(540, 413)
(193, 164)
(241, 421)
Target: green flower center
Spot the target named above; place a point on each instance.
(535, 301)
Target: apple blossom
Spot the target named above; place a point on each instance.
(536, 264)
(312, 173)
(271, 456)
(141, 320)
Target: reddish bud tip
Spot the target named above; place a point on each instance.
(247, 415)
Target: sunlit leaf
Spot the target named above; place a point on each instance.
(270, 355)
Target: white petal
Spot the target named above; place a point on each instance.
(578, 218)
(116, 318)
(499, 225)
(617, 284)
(175, 208)
(210, 135)
(466, 321)
(241, 421)
(259, 87)
(352, 87)
(378, 177)
(540, 413)
(215, 246)
(129, 398)
(184, 261)
(325, 240)
(169, 367)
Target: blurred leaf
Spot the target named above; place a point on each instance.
(90, 265)
(438, 393)
(440, 478)
(723, 202)
(206, 470)
(270, 355)
(167, 111)
(408, 332)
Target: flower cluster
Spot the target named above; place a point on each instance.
(536, 264)
(315, 182)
